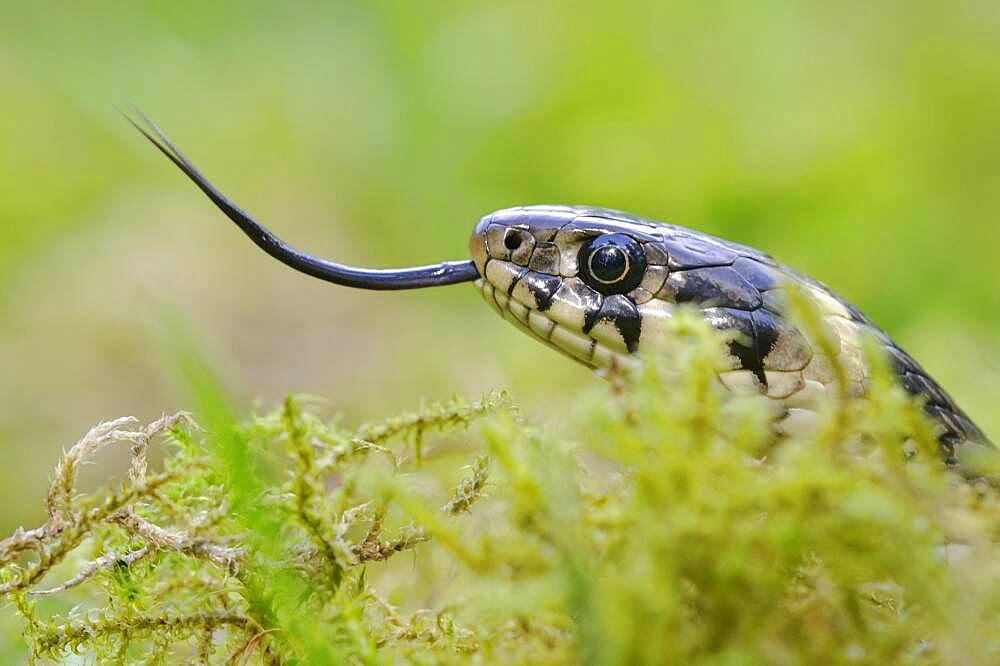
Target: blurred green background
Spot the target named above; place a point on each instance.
(858, 142)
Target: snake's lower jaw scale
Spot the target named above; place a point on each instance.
(563, 337)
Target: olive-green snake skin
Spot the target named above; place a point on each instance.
(600, 285)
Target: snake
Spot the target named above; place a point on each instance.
(601, 286)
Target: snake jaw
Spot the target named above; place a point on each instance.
(541, 326)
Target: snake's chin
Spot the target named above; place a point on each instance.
(574, 344)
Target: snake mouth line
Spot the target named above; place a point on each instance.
(574, 344)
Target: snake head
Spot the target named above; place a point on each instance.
(599, 285)
(581, 280)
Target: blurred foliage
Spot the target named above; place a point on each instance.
(856, 142)
(668, 526)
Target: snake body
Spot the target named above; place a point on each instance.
(600, 284)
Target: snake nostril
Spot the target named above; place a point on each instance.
(512, 240)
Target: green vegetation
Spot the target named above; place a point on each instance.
(662, 524)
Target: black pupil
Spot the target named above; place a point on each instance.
(608, 264)
(512, 240)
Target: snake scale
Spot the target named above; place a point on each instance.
(600, 285)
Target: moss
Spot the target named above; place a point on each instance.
(662, 523)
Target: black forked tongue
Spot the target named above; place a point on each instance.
(434, 275)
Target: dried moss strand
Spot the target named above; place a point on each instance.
(90, 569)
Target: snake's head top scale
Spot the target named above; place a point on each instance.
(600, 285)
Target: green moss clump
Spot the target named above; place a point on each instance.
(660, 523)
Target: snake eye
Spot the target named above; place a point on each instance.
(612, 264)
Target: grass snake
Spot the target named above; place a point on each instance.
(600, 285)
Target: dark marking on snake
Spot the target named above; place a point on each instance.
(720, 286)
(543, 287)
(515, 280)
(620, 311)
(939, 405)
(744, 346)
(767, 328)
